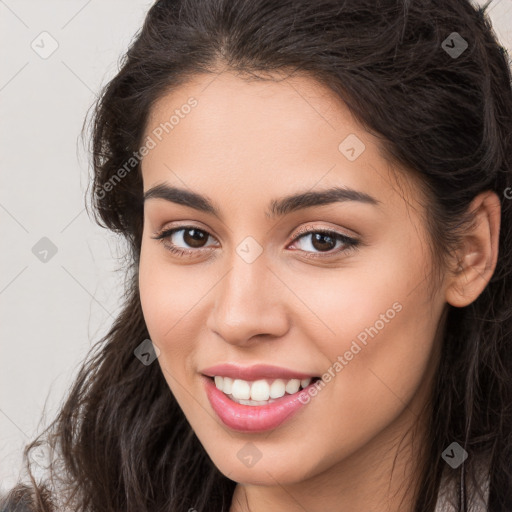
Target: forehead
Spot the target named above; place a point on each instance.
(254, 136)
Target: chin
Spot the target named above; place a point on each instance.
(285, 470)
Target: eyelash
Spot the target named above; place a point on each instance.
(350, 243)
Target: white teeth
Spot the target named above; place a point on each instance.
(304, 383)
(277, 388)
(227, 386)
(241, 389)
(292, 386)
(252, 402)
(258, 392)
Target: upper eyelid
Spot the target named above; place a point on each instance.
(316, 229)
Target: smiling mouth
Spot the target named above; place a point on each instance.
(259, 392)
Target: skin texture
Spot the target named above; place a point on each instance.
(244, 144)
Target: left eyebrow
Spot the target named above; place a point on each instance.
(277, 207)
(308, 199)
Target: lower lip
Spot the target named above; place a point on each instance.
(254, 418)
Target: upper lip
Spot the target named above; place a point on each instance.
(254, 372)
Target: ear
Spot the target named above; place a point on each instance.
(477, 256)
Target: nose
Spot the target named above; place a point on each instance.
(249, 304)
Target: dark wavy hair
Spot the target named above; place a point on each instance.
(120, 441)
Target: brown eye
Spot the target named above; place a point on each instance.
(194, 237)
(321, 241)
(186, 240)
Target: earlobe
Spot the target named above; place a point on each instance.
(478, 255)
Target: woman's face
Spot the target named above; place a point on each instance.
(335, 285)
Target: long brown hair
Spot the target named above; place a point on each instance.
(120, 441)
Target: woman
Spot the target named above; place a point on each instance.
(316, 197)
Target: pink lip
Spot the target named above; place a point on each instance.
(255, 372)
(248, 418)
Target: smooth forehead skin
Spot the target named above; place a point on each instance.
(243, 145)
(255, 135)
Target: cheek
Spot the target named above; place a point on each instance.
(166, 296)
(386, 347)
(383, 305)
(167, 292)
(174, 299)
(375, 329)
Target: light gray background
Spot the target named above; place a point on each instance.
(53, 311)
